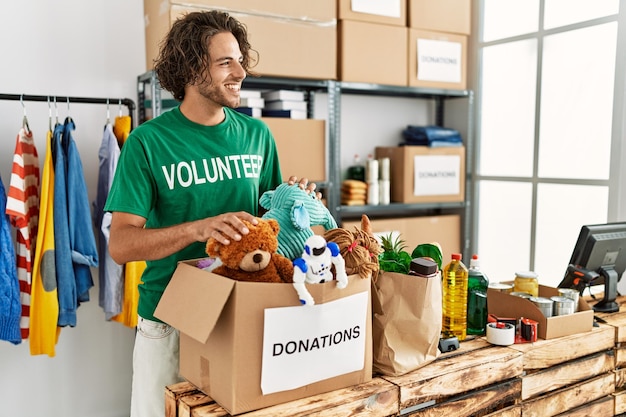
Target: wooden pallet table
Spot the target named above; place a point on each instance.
(374, 398)
(472, 381)
(568, 372)
(617, 320)
(576, 375)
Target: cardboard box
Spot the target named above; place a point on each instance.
(297, 138)
(310, 44)
(444, 229)
(420, 174)
(362, 43)
(322, 10)
(241, 339)
(505, 305)
(453, 16)
(437, 60)
(389, 12)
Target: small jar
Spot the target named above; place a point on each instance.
(526, 282)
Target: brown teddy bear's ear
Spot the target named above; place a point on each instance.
(213, 248)
(274, 225)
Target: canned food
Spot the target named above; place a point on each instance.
(543, 304)
(521, 294)
(570, 293)
(499, 286)
(562, 305)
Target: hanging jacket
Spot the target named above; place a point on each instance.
(110, 276)
(82, 239)
(121, 129)
(66, 284)
(44, 313)
(132, 279)
(22, 206)
(10, 307)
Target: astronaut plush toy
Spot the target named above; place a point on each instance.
(314, 267)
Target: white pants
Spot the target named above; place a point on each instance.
(155, 366)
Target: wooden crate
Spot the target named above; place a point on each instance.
(572, 374)
(546, 353)
(575, 375)
(474, 380)
(600, 407)
(616, 320)
(620, 401)
(511, 411)
(374, 398)
(571, 397)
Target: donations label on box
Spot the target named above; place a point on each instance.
(306, 344)
(391, 8)
(439, 60)
(436, 174)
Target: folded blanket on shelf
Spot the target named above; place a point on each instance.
(432, 136)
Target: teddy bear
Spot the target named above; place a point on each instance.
(254, 257)
(296, 211)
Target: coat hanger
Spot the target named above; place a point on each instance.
(56, 111)
(108, 113)
(49, 115)
(24, 119)
(69, 115)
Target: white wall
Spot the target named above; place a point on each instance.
(78, 48)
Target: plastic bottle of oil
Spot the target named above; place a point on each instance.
(454, 320)
(476, 298)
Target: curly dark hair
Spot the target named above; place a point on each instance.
(184, 53)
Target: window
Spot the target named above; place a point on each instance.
(546, 128)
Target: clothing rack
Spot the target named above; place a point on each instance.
(130, 104)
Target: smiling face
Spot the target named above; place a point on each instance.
(225, 73)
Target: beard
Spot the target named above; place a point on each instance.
(219, 95)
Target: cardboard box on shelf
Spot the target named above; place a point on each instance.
(437, 60)
(250, 345)
(420, 174)
(361, 44)
(389, 12)
(322, 10)
(295, 138)
(453, 16)
(443, 229)
(506, 305)
(307, 30)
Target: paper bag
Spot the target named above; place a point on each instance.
(406, 322)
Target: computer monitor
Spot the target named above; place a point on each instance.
(599, 257)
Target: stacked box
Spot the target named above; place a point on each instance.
(443, 229)
(451, 16)
(372, 42)
(438, 43)
(295, 139)
(420, 174)
(437, 60)
(304, 30)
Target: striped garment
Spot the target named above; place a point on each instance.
(23, 211)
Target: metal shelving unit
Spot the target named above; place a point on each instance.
(150, 99)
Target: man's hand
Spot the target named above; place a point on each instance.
(305, 185)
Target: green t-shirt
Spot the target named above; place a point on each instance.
(172, 170)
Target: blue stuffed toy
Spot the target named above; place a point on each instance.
(296, 211)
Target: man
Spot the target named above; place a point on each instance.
(192, 173)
